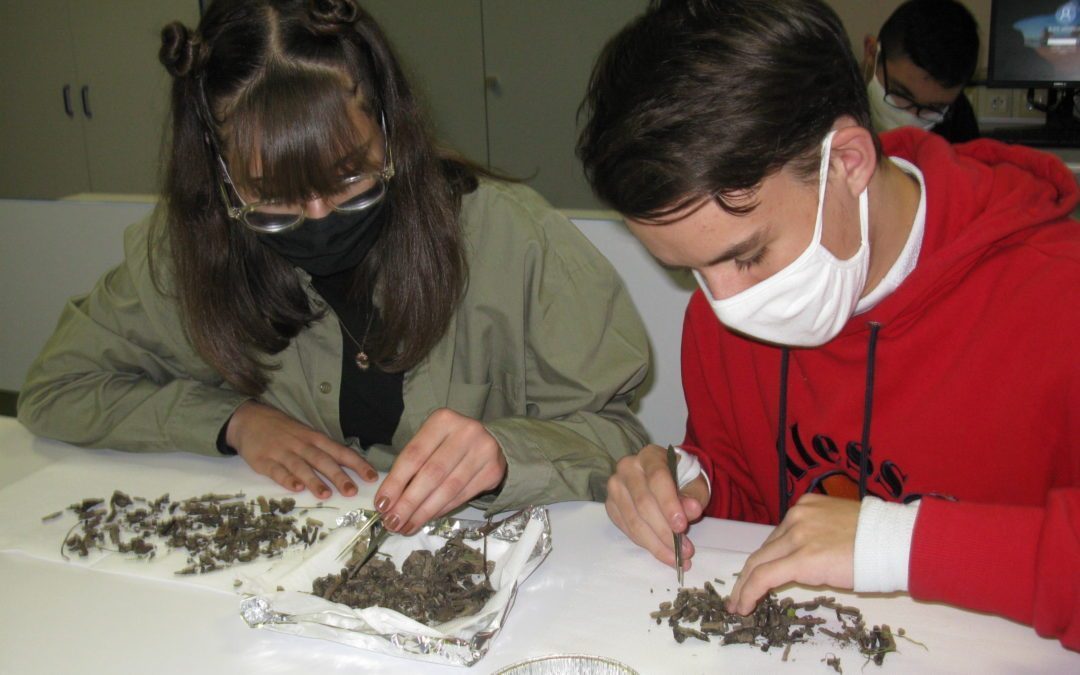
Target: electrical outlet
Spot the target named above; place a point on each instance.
(996, 103)
(1022, 109)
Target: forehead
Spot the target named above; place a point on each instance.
(358, 132)
(293, 164)
(907, 78)
(695, 238)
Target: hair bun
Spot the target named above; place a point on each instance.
(332, 15)
(178, 49)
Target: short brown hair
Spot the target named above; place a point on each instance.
(706, 98)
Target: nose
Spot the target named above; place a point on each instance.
(722, 281)
(317, 208)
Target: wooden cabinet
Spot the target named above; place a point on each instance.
(85, 98)
(503, 79)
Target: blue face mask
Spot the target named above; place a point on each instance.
(331, 244)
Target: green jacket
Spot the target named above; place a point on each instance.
(546, 349)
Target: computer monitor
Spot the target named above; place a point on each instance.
(1036, 44)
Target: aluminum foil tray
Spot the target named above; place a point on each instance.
(562, 664)
(281, 600)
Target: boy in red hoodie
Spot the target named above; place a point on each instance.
(881, 357)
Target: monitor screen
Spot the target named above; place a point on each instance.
(1034, 43)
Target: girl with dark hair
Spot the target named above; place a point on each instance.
(322, 289)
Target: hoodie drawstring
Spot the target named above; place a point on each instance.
(868, 406)
(781, 435)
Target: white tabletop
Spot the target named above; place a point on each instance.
(592, 595)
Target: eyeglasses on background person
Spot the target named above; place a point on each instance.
(929, 113)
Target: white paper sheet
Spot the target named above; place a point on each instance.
(99, 473)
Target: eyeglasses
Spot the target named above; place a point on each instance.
(354, 193)
(930, 113)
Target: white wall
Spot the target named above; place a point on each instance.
(49, 251)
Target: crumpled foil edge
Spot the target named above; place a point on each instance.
(343, 625)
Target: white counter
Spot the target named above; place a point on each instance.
(592, 595)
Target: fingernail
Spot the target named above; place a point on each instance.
(679, 521)
(297, 486)
(371, 477)
(392, 522)
(382, 503)
(324, 493)
(350, 488)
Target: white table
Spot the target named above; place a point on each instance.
(592, 595)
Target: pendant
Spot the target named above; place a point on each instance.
(362, 360)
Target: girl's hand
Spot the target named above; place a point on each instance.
(450, 460)
(293, 454)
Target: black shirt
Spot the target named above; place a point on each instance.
(960, 124)
(371, 401)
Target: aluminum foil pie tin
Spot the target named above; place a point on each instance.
(568, 664)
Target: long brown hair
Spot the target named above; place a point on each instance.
(272, 79)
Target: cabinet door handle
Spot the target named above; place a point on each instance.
(85, 93)
(67, 101)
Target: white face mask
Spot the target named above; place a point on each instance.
(885, 117)
(808, 302)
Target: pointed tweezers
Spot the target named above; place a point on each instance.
(672, 461)
(377, 537)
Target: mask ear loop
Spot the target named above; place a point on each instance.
(823, 180)
(864, 207)
(864, 217)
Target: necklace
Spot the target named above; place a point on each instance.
(362, 360)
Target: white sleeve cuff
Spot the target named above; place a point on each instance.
(689, 468)
(883, 545)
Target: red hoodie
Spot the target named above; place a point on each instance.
(975, 398)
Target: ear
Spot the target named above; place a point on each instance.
(869, 62)
(854, 155)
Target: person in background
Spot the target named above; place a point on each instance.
(917, 67)
(322, 290)
(881, 357)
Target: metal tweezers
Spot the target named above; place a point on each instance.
(672, 461)
(379, 533)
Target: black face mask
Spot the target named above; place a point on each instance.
(331, 244)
